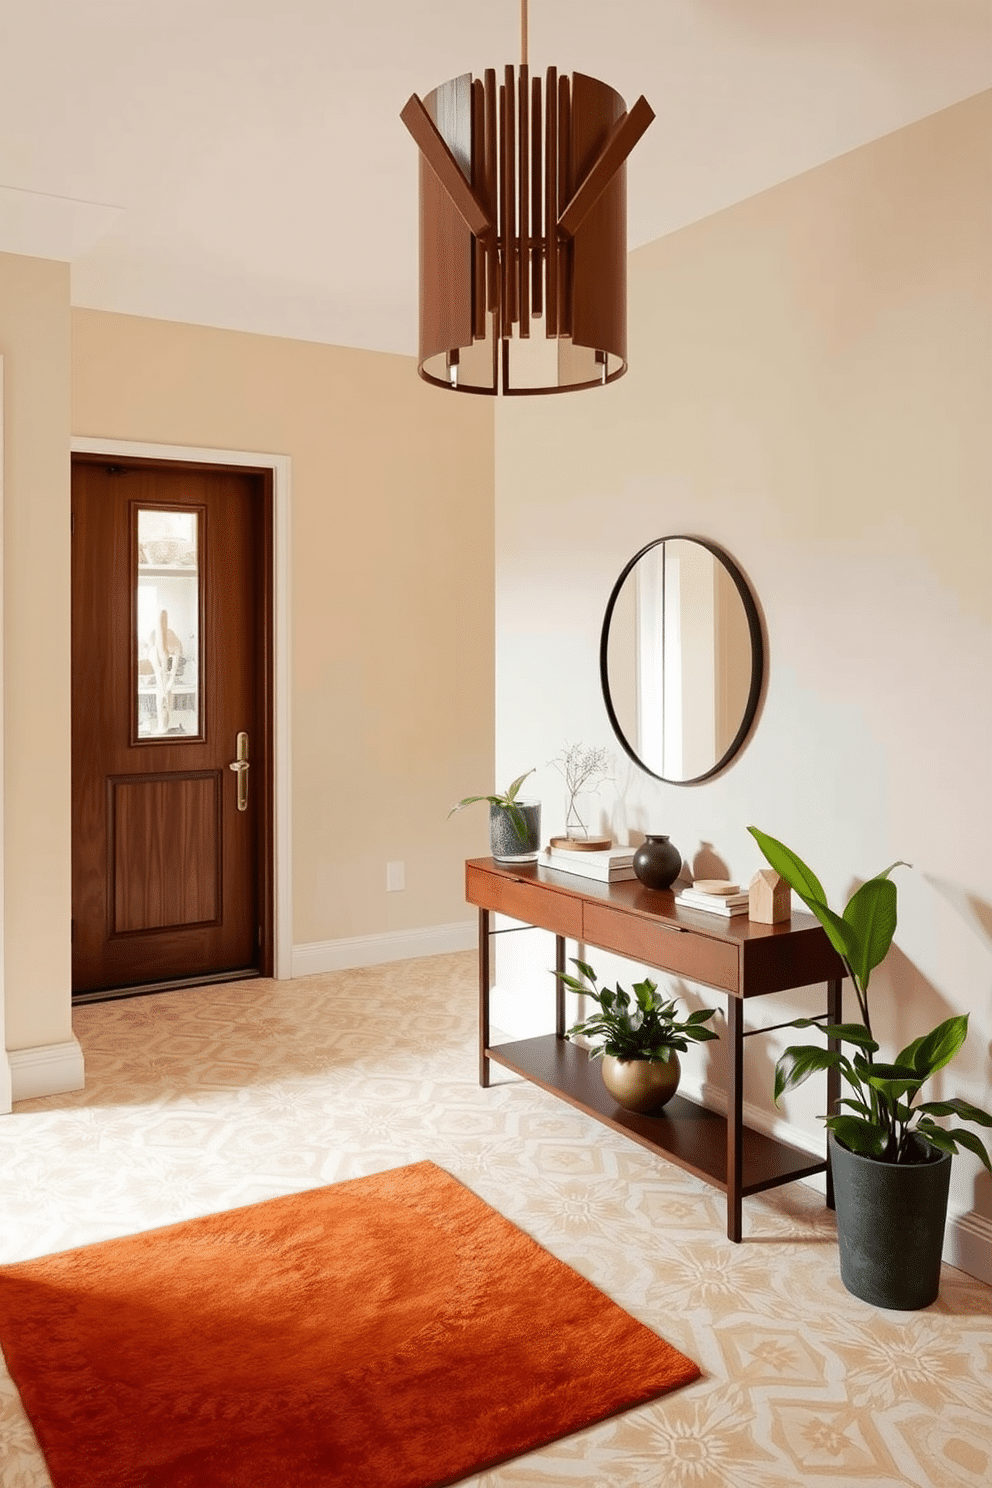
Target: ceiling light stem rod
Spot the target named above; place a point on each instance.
(523, 33)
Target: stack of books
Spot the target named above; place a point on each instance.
(611, 865)
(714, 897)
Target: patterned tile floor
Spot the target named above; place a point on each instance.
(205, 1099)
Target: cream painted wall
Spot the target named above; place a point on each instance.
(392, 561)
(811, 387)
(34, 343)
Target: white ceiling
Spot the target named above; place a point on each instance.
(241, 163)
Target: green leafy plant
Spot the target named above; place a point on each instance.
(880, 1118)
(644, 1028)
(508, 801)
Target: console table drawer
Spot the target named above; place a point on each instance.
(681, 952)
(528, 901)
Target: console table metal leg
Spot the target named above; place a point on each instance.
(835, 1014)
(559, 986)
(735, 1119)
(484, 983)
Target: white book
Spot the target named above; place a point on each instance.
(602, 872)
(711, 905)
(717, 901)
(606, 856)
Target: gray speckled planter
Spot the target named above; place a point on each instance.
(504, 839)
(890, 1226)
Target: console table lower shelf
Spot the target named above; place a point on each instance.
(687, 1134)
(735, 956)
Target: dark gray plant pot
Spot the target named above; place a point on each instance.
(890, 1226)
(505, 841)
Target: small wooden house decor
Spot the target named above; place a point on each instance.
(769, 898)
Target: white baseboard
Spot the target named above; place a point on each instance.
(391, 945)
(968, 1244)
(968, 1236)
(46, 1069)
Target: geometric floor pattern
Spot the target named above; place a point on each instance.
(212, 1097)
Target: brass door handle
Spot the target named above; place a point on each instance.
(241, 767)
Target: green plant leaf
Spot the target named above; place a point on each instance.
(471, 800)
(842, 935)
(644, 992)
(857, 1105)
(871, 912)
(791, 867)
(800, 877)
(585, 969)
(864, 1137)
(511, 793)
(971, 1141)
(797, 1064)
(893, 1081)
(936, 1136)
(572, 983)
(701, 1015)
(851, 1033)
(957, 1107)
(700, 1035)
(908, 1055)
(939, 1046)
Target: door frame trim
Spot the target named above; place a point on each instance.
(5, 1075)
(280, 467)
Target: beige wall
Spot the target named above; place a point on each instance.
(392, 557)
(810, 386)
(34, 343)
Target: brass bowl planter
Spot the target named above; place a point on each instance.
(642, 1085)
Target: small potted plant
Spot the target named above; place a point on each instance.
(891, 1160)
(514, 824)
(639, 1039)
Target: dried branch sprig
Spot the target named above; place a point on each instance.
(583, 767)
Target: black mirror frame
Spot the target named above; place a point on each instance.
(757, 656)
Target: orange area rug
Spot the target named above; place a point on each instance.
(387, 1332)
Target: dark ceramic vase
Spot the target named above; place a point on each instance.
(657, 862)
(890, 1226)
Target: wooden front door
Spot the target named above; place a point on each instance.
(171, 667)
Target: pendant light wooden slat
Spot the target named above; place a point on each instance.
(536, 214)
(551, 202)
(522, 266)
(621, 140)
(479, 254)
(562, 246)
(490, 172)
(511, 300)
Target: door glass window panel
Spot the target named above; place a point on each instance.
(168, 624)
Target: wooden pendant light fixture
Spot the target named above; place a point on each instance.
(523, 218)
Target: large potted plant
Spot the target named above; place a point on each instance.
(890, 1157)
(514, 823)
(638, 1039)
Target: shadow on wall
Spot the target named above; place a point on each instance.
(976, 914)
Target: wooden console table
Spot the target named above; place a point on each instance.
(733, 955)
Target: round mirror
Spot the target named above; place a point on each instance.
(681, 659)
